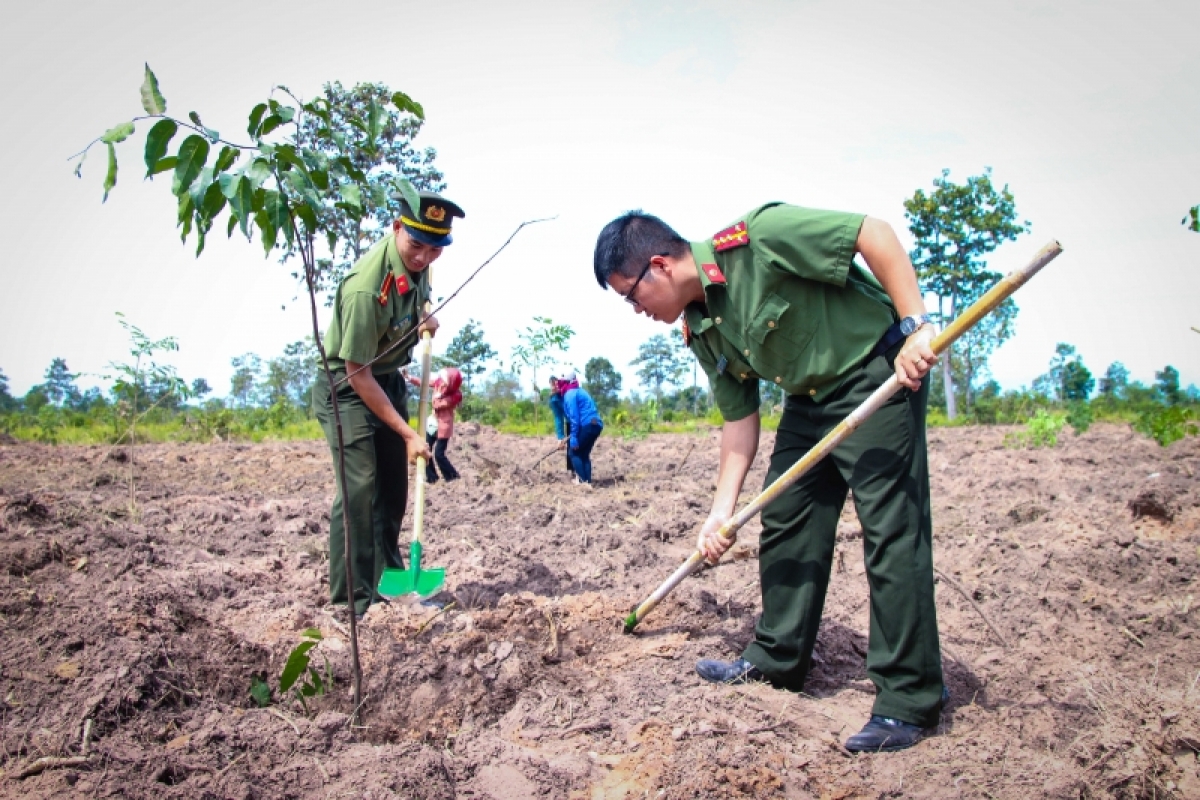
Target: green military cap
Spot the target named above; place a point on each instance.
(432, 224)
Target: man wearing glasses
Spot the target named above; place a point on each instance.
(778, 296)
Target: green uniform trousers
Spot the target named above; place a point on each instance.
(376, 487)
(885, 464)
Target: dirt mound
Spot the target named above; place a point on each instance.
(132, 630)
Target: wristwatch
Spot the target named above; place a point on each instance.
(909, 325)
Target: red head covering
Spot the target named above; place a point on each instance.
(447, 383)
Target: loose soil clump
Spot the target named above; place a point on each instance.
(131, 632)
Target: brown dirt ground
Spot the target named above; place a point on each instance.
(149, 623)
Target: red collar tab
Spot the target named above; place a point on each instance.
(687, 334)
(731, 238)
(713, 272)
(401, 285)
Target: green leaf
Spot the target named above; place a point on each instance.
(156, 143)
(405, 103)
(228, 157)
(260, 691)
(200, 186)
(164, 165)
(229, 226)
(303, 186)
(79, 166)
(276, 212)
(409, 193)
(286, 113)
(241, 205)
(214, 200)
(311, 633)
(374, 124)
(152, 99)
(256, 117)
(110, 178)
(308, 216)
(195, 118)
(192, 155)
(117, 133)
(320, 179)
(269, 232)
(269, 124)
(296, 664)
(213, 136)
(258, 171)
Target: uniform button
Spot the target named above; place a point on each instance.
(778, 379)
(747, 352)
(771, 324)
(717, 320)
(812, 392)
(744, 376)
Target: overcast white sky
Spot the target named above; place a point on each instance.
(694, 111)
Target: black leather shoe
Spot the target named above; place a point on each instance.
(738, 671)
(883, 735)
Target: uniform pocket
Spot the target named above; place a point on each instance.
(779, 326)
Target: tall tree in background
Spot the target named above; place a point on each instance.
(1114, 381)
(243, 385)
(603, 383)
(660, 363)
(955, 226)
(358, 221)
(289, 378)
(59, 387)
(1067, 379)
(468, 351)
(1166, 383)
(7, 401)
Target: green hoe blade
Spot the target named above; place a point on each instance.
(414, 580)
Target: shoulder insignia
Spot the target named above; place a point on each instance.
(713, 272)
(388, 282)
(687, 334)
(401, 285)
(731, 237)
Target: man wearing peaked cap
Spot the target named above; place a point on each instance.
(431, 225)
(779, 296)
(377, 318)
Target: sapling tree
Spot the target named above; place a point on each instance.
(537, 346)
(280, 184)
(140, 385)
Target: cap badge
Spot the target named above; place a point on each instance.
(435, 214)
(731, 237)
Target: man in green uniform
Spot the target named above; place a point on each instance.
(379, 303)
(778, 296)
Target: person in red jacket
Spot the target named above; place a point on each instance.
(447, 396)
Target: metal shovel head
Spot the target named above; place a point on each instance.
(414, 580)
(423, 582)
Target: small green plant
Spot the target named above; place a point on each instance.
(1080, 416)
(299, 677)
(1041, 431)
(1166, 424)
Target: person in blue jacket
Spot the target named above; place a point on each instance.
(561, 426)
(585, 425)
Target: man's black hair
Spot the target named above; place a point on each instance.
(629, 242)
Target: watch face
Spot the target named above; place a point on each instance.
(908, 325)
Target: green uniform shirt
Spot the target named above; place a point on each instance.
(362, 325)
(786, 303)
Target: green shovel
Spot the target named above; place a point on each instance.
(414, 580)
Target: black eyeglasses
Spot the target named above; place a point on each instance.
(629, 298)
